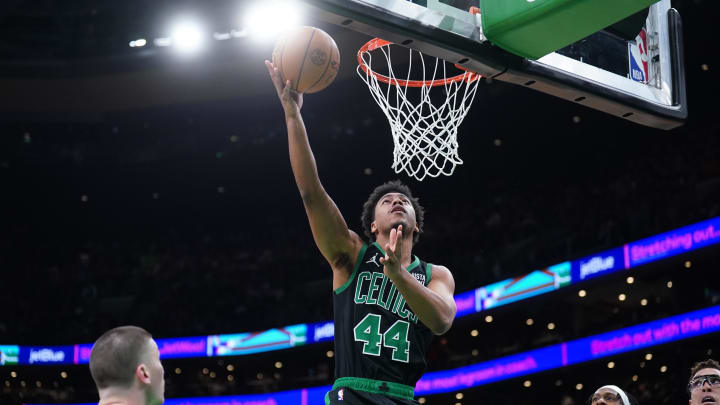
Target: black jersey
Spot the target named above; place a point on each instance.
(377, 336)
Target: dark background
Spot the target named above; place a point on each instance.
(139, 187)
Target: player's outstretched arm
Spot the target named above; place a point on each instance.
(336, 242)
(434, 305)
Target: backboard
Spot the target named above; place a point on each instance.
(632, 69)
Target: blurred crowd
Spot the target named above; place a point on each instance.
(194, 225)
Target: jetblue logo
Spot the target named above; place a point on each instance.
(46, 356)
(324, 331)
(596, 265)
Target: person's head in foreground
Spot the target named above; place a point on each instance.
(611, 395)
(704, 384)
(125, 364)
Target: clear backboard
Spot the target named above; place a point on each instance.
(629, 63)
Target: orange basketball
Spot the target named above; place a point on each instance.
(308, 57)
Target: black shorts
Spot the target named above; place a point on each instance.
(348, 396)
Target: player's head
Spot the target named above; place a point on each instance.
(125, 361)
(389, 205)
(611, 395)
(704, 384)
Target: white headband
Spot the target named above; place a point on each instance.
(618, 391)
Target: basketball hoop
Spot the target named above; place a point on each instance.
(424, 134)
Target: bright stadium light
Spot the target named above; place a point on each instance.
(266, 19)
(187, 36)
(138, 43)
(222, 36)
(163, 41)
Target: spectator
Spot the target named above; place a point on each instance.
(611, 395)
(125, 365)
(704, 384)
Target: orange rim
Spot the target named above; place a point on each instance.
(376, 43)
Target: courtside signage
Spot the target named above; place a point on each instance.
(522, 287)
(256, 342)
(182, 347)
(468, 303)
(46, 355)
(321, 332)
(9, 355)
(598, 265)
(673, 243)
(637, 337)
(674, 328)
(630, 255)
(305, 396)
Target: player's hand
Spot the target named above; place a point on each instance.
(393, 253)
(291, 100)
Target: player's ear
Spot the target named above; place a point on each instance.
(373, 227)
(142, 373)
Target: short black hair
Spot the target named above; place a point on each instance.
(396, 186)
(707, 363)
(116, 355)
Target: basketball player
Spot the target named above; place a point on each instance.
(611, 395)
(387, 302)
(704, 384)
(125, 364)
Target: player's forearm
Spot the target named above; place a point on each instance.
(302, 160)
(429, 306)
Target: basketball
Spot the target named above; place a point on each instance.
(308, 57)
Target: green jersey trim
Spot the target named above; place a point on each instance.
(412, 265)
(376, 387)
(428, 273)
(358, 262)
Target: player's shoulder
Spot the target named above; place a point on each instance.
(438, 268)
(441, 273)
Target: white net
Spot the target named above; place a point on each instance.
(424, 131)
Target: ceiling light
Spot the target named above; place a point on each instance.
(267, 19)
(187, 36)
